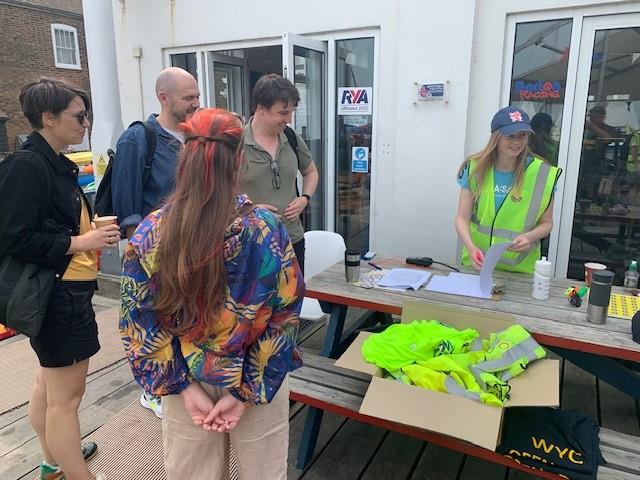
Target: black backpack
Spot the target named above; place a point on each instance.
(103, 204)
(293, 141)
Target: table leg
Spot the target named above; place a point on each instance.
(332, 346)
(314, 415)
(334, 331)
(612, 371)
(309, 437)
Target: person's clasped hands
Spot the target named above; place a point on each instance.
(221, 416)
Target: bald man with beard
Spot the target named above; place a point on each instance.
(179, 97)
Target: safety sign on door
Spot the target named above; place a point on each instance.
(360, 159)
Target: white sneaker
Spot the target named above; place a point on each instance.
(153, 403)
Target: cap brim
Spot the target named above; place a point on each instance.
(515, 128)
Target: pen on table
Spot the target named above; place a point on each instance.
(377, 267)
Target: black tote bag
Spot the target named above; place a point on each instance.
(25, 290)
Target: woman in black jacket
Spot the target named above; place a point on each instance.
(46, 219)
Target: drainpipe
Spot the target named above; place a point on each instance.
(4, 141)
(103, 73)
(105, 97)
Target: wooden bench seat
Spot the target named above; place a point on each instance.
(320, 384)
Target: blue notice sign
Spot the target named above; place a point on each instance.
(360, 159)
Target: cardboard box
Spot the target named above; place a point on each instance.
(452, 415)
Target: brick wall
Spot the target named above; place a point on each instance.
(69, 5)
(26, 53)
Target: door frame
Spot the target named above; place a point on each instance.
(210, 59)
(330, 37)
(589, 27)
(583, 29)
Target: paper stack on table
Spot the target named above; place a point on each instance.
(404, 278)
(467, 284)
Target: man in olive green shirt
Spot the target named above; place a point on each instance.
(271, 164)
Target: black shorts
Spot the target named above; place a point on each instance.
(69, 332)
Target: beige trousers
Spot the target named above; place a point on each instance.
(260, 440)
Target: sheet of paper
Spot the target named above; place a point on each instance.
(468, 284)
(405, 278)
(464, 284)
(491, 259)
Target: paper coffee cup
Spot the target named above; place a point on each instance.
(106, 220)
(589, 268)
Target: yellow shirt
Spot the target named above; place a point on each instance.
(83, 265)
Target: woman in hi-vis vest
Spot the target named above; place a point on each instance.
(506, 196)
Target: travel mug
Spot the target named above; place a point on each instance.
(599, 294)
(352, 265)
(635, 327)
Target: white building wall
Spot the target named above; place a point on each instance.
(418, 148)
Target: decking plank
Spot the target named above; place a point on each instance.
(579, 390)
(475, 468)
(395, 457)
(621, 459)
(605, 473)
(617, 409)
(101, 386)
(619, 440)
(348, 454)
(438, 463)
(24, 459)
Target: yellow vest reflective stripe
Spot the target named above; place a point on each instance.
(514, 217)
(508, 354)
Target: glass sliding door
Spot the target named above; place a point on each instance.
(186, 61)
(606, 201)
(304, 64)
(227, 83)
(538, 84)
(354, 126)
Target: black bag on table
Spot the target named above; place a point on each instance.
(25, 289)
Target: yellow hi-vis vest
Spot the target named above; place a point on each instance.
(514, 217)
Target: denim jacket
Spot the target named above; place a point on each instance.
(130, 202)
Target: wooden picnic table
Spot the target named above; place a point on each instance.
(606, 351)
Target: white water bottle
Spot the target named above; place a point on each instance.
(541, 279)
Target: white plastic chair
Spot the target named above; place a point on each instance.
(322, 250)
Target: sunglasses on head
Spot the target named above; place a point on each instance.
(275, 169)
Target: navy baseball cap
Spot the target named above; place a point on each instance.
(510, 120)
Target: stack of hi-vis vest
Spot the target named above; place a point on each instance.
(435, 356)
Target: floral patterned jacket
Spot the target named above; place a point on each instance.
(253, 345)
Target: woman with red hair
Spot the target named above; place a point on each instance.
(211, 292)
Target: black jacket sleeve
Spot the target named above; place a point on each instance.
(25, 186)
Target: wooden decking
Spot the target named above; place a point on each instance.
(346, 449)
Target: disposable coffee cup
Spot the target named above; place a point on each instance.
(106, 220)
(352, 265)
(589, 268)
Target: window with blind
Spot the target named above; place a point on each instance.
(65, 46)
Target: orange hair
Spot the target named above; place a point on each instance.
(191, 278)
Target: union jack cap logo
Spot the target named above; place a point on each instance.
(515, 116)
